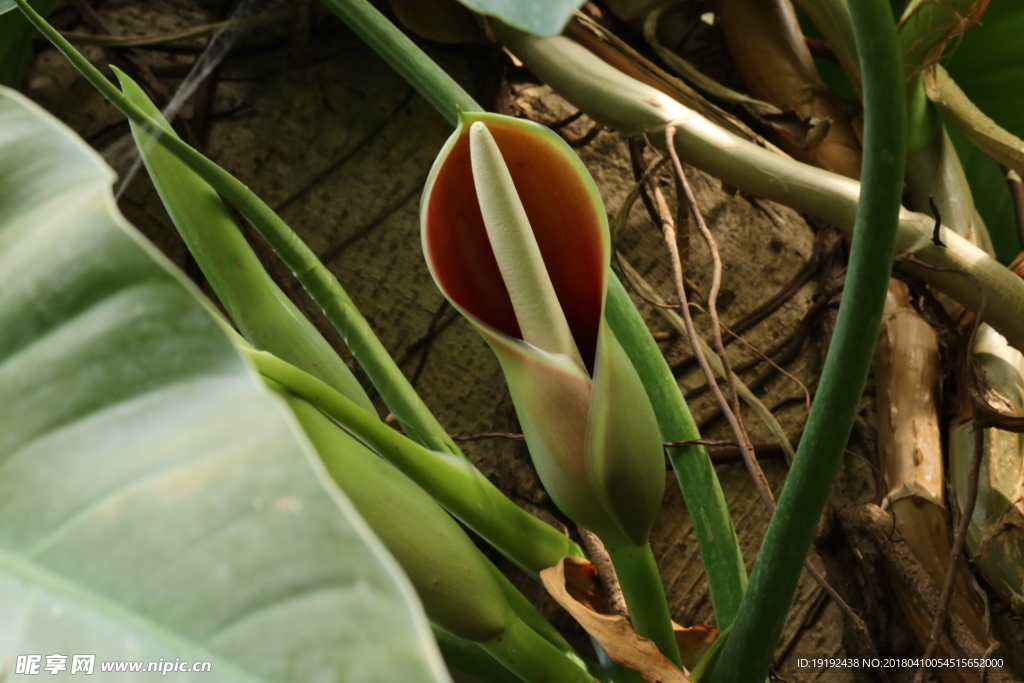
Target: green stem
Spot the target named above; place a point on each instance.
(532, 658)
(957, 108)
(748, 652)
(716, 536)
(923, 122)
(645, 597)
(451, 480)
(315, 278)
(389, 42)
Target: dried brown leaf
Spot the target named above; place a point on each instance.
(573, 584)
(694, 642)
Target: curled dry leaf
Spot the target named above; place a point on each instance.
(694, 642)
(573, 584)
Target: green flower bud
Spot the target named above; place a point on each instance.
(455, 582)
(516, 237)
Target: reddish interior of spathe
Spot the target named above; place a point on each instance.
(563, 218)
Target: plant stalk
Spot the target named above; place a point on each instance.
(716, 536)
(262, 312)
(405, 57)
(748, 652)
(645, 597)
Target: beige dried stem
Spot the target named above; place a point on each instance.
(907, 379)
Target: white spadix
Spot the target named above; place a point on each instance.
(541, 319)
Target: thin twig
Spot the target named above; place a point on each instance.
(730, 456)
(486, 435)
(767, 358)
(615, 603)
(698, 442)
(683, 190)
(562, 123)
(583, 140)
(668, 230)
(937, 230)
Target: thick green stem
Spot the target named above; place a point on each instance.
(748, 652)
(957, 108)
(645, 597)
(716, 536)
(389, 42)
(925, 28)
(451, 480)
(532, 658)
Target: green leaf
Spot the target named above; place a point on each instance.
(263, 313)
(540, 17)
(155, 500)
(988, 65)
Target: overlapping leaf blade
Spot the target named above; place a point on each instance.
(155, 501)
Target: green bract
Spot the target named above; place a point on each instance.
(516, 237)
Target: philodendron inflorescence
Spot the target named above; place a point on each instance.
(517, 239)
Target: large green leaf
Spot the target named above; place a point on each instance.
(988, 64)
(540, 17)
(155, 500)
